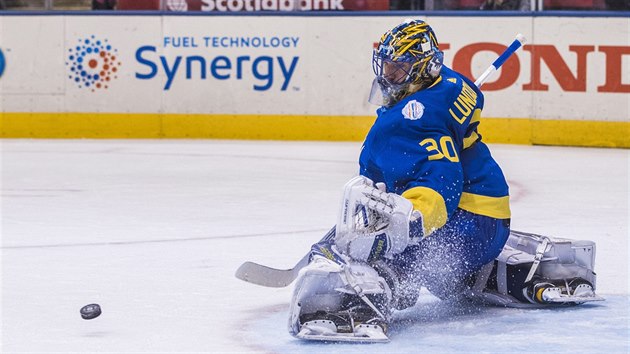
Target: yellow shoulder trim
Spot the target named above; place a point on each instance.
(494, 207)
(432, 206)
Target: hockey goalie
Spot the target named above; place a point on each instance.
(429, 209)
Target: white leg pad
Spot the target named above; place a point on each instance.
(321, 287)
(555, 260)
(551, 258)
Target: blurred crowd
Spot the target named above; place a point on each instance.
(398, 5)
(510, 5)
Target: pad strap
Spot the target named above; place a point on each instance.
(540, 251)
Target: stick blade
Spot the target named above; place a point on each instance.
(266, 276)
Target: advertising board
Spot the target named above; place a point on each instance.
(285, 77)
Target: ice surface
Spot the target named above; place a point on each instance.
(154, 230)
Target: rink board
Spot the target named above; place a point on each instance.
(283, 77)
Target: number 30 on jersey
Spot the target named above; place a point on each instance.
(445, 149)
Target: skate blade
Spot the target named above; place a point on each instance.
(493, 298)
(581, 294)
(575, 299)
(362, 334)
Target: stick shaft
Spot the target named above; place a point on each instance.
(516, 44)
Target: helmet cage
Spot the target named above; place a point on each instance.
(391, 71)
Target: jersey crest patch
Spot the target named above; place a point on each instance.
(413, 110)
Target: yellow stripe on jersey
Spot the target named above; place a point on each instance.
(470, 140)
(473, 137)
(476, 116)
(494, 207)
(432, 206)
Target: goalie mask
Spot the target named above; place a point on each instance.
(407, 59)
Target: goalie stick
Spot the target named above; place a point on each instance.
(271, 277)
(279, 278)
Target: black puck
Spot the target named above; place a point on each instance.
(90, 311)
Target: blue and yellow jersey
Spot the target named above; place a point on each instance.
(427, 149)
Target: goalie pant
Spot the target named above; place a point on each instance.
(445, 261)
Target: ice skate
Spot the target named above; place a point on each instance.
(574, 291)
(355, 324)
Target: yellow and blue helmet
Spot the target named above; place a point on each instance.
(407, 59)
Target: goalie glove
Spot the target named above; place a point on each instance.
(372, 223)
